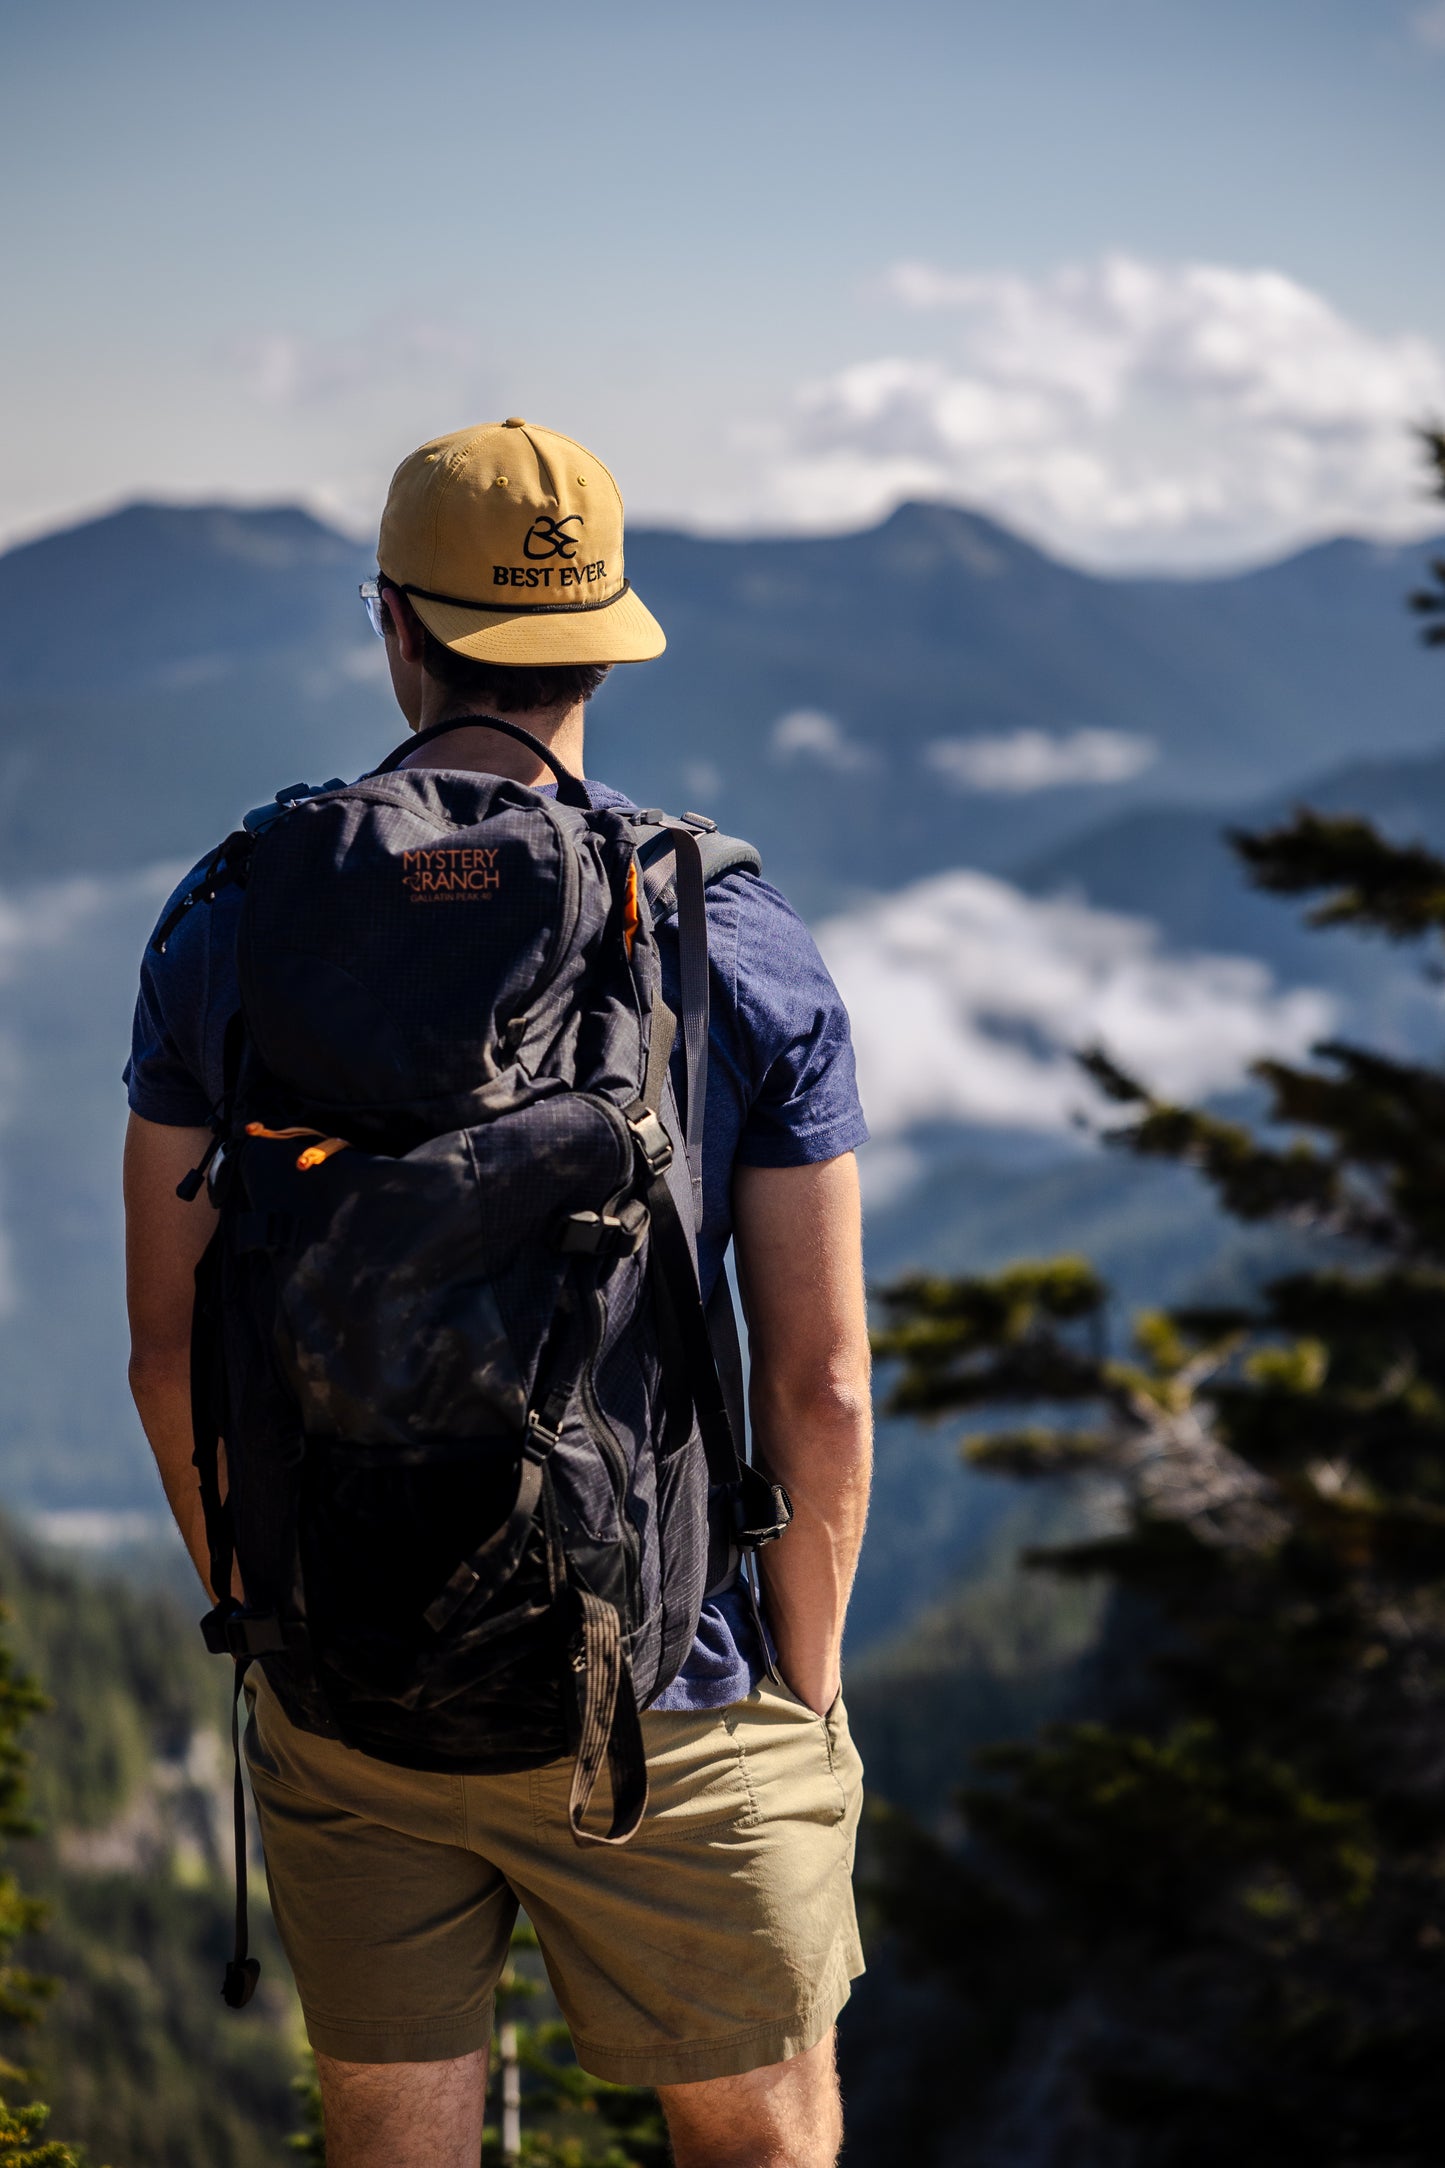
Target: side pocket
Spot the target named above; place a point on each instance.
(789, 1752)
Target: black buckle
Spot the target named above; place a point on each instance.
(605, 1234)
(753, 1500)
(230, 1630)
(541, 1437)
(654, 1146)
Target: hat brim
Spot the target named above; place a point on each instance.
(623, 631)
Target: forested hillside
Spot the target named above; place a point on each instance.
(130, 1785)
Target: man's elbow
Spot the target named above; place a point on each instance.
(157, 1370)
(832, 1401)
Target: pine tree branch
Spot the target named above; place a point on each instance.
(1430, 601)
(1390, 888)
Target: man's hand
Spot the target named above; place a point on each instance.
(164, 1239)
(799, 1242)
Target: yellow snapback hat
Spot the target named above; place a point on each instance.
(507, 541)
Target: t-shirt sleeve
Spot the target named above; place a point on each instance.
(164, 1077)
(804, 1105)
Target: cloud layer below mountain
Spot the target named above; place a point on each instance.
(1126, 412)
(968, 999)
(69, 952)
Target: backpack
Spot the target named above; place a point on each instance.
(481, 1439)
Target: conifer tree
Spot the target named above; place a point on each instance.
(1430, 601)
(22, 1994)
(567, 2118)
(1208, 1922)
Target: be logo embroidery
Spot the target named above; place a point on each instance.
(551, 537)
(450, 876)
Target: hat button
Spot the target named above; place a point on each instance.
(514, 421)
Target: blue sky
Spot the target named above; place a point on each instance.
(1157, 280)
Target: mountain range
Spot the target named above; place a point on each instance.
(189, 660)
(874, 710)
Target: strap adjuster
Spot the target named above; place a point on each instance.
(541, 1437)
(605, 1234)
(230, 1631)
(654, 1146)
(761, 1511)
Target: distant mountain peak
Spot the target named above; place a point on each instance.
(952, 531)
(272, 534)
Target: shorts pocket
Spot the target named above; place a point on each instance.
(791, 1756)
(696, 1778)
(773, 1682)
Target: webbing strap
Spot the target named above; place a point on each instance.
(610, 1729)
(662, 1034)
(704, 1380)
(722, 1331)
(694, 998)
(243, 1971)
(694, 983)
(684, 1344)
(494, 1562)
(205, 1430)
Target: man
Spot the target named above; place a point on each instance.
(710, 1955)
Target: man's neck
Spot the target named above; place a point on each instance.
(480, 750)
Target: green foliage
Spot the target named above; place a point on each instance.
(22, 1992)
(1430, 601)
(22, 2144)
(309, 2143)
(569, 2119)
(1215, 1910)
(131, 1870)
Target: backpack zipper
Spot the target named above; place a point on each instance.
(315, 1155)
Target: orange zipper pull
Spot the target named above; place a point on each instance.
(316, 1155)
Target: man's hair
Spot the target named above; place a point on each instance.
(507, 689)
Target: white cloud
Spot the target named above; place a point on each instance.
(1026, 760)
(1428, 24)
(68, 956)
(288, 370)
(1127, 412)
(806, 734)
(702, 778)
(968, 999)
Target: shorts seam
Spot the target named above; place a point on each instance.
(382, 2041)
(839, 1982)
(752, 1819)
(839, 1786)
(440, 2019)
(437, 2022)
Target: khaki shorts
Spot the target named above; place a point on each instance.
(721, 1939)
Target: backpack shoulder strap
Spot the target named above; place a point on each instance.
(720, 854)
(681, 855)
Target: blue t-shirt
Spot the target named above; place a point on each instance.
(781, 1092)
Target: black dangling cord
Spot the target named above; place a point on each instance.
(189, 1186)
(242, 1972)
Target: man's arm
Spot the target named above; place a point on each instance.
(799, 1241)
(164, 1239)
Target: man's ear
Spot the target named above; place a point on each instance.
(406, 627)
